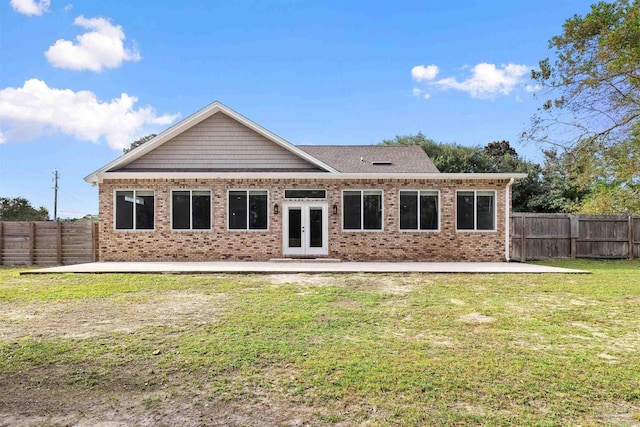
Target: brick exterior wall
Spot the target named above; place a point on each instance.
(163, 244)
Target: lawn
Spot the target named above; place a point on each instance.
(364, 349)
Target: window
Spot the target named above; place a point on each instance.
(191, 210)
(134, 210)
(305, 194)
(418, 210)
(362, 209)
(247, 209)
(476, 210)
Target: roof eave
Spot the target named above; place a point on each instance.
(99, 177)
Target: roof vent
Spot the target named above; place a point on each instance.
(381, 163)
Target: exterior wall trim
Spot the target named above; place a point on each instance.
(101, 177)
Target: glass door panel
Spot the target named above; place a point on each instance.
(315, 227)
(295, 227)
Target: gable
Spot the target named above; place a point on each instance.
(219, 143)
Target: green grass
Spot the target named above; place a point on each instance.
(490, 349)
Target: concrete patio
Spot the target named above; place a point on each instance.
(302, 266)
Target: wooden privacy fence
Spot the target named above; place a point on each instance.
(48, 243)
(533, 237)
(548, 236)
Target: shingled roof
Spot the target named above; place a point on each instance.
(372, 158)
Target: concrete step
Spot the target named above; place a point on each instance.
(314, 260)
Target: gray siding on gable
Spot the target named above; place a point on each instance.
(219, 142)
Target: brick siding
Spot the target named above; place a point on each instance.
(391, 244)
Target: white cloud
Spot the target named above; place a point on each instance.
(487, 80)
(422, 73)
(419, 93)
(30, 7)
(94, 50)
(531, 89)
(35, 108)
(68, 7)
(3, 138)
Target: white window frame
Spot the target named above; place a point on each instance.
(475, 210)
(191, 190)
(252, 230)
(134, 229)
(362, 229)
(418, 230)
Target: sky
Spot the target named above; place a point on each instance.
(80, 80)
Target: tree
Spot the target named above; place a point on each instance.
(86, 218)
(448, 157)
(591, 105)
(20, 209)
(559, 189)
(139, 142)
(498, 149)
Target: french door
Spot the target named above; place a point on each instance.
(305, 229)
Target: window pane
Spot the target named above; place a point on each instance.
(124, 210)
(486, 213)
(180, 210)
(408, 210)
(144, 210)
(305, 194)
(465, 210)
(352, 204)
(372, 210)
(201, 206)
(258, 210)
(237, 210)
(428, 210)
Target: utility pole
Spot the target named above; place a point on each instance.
(56, 175)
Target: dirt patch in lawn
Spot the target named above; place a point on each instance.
(90, 318)
(477, 318)
(123, 398)
(392, 284)
(300, 279)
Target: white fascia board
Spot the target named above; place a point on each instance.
(100, 177)
(193, 120)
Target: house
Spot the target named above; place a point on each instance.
(217, 186)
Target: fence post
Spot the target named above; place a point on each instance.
(32, 242)
(631, 234)
(1, 242)
(523, 240)
(575, 221)
(94, 240)
(58, 243)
